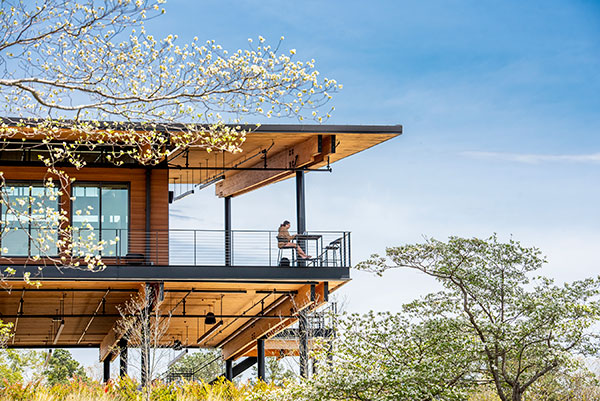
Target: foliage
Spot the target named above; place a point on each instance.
(275, 372)
(387, 357)
(127, 389)
(5, 333)
(95, 79)
(15, 365)
(62, 367)
(522, 328)
(144, 323)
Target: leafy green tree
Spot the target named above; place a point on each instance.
(5, 332)
(523, 328)
(62, 367)
(275, 372)
(15, 364)
(388, 356)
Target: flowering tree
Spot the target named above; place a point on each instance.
(80, 75)
(522, 328)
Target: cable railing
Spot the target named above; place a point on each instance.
(187, 247)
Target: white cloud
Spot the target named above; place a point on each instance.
(532, 158)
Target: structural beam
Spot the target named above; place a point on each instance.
(106, 370)
(229, 369)
(108, 343)
(304, 154)
(260, 349)
(303, 343)
(123, 357)
(245, 340)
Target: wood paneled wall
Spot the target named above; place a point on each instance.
(136, 179)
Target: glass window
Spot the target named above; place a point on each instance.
(101, 213)
(30, 220)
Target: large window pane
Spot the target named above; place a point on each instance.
(115, 219)
(101, 212)
(30, 222)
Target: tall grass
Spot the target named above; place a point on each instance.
(127, 389)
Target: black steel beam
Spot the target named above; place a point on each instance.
(229, 369)
(123, 357)
(241, 274)
(260, 358)
(106, 370)
(243, 366)
(326, 169)
(303, 343)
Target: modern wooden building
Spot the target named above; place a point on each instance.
(221, 288)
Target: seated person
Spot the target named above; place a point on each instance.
(284, 239)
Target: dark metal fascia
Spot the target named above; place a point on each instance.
(264, 128)
(238, 274)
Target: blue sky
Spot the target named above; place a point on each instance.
(500, 103)
(500, 106)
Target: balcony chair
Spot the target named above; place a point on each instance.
(284, 248)
(334, 247)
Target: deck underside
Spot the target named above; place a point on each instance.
(75, 308)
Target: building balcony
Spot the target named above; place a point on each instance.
(201, 254)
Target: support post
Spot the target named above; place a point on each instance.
(106, 366)
(300, 211)
(300, 202)
(303, 343)
(123, 357)
(229, 369)
(260, 355)
(228, 233)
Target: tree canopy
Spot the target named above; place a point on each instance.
(522, 326)
(61, 367)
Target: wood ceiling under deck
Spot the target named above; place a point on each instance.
(89, 322)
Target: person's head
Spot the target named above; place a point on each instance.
(286, 224)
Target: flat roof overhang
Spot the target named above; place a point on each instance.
(269, 153)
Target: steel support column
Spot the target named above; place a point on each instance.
(300, 212)
(303, 343)
(300, 202)
(229, 369)
(123, 357)
(106, 369)
(228, 233)
(260, 355)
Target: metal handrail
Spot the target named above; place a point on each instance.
(208, 247)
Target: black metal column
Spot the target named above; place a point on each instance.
(303, 343)
(300, 202)
(228, 233)
(106, 366)
(229, 369)
(123, 357)
(260, 355)
(300, 212)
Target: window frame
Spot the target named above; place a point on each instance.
(28, 184)
(100, 185)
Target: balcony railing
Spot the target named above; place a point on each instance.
(181, 247)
